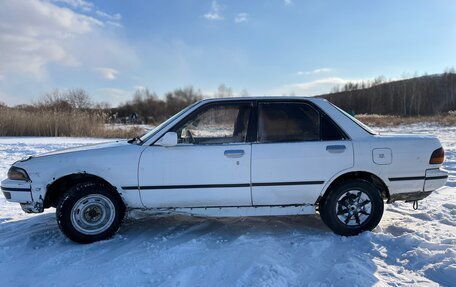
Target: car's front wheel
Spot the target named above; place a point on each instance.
(352, 207)
(90, 211)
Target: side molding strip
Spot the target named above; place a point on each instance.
(16, 189)
(417, 178)
(187, 186)
(436, 177)
(288, 183)
(222, 185)
(406, 178)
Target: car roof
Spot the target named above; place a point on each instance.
(265, 98)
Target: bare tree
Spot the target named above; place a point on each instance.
(65, 100)
(77, 98)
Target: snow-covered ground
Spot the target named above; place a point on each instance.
(407, 248)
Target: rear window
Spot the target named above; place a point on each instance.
(356, 121)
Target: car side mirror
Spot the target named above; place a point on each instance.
(167, 140)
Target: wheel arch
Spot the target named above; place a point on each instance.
(365, 175)
(60, 185)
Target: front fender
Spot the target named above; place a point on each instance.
(118, 166)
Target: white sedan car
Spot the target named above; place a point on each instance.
(255, 156)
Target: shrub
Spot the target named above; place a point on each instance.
(45, 122)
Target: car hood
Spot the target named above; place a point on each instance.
(90, 147)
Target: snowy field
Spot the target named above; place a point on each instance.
(407, 248)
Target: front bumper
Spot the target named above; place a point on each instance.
(17, 191)
(21, 192)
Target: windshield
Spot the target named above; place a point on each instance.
(359, 123)
(155, 130)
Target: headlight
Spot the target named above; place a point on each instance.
(16, 173)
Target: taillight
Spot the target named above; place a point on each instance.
(437, 156)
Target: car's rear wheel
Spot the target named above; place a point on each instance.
(90, 211)
(352, 207)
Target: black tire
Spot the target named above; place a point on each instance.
(346, 210)
(99, 201)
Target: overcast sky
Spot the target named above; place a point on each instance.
(111, 48)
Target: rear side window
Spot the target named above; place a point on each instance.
(288, 122)
(329, 130)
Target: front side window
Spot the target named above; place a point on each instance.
(154, 131)
(287, 122)
(215, 124)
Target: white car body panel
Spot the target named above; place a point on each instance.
(115, 162)
(298, 170)
(194, 169)
(199, 179)
(406, 149)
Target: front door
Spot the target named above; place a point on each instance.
(210, 166)
(297, 151)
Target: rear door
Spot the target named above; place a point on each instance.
(210, 165)
(298, 149)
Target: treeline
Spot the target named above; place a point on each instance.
(148, 108)
(419, 96)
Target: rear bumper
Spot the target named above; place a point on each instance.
(433, 179)
(409, 196)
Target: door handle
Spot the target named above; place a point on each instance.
(234, 153)
(336, 148)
